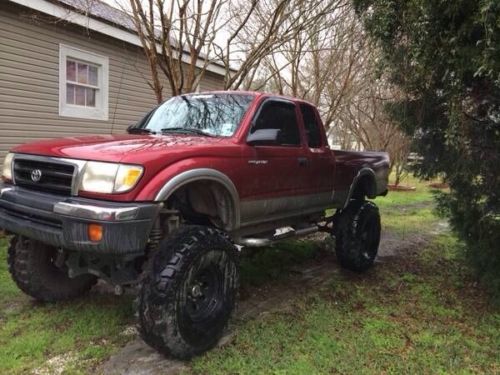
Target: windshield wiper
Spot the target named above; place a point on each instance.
(186, 130)
(140, 131)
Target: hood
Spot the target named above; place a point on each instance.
(127, 148)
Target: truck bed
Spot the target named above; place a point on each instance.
(352, 166)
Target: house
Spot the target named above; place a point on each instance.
(72, 67)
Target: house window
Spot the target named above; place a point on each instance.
(83, 84)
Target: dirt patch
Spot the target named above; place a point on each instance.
(277, 296)
(56, 365)
(439, 185)
(392, 244)
(136, 358)
(13, 307)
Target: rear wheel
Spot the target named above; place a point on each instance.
(39, 271)
(357, 235)
(189, 292)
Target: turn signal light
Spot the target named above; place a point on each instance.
(95, 232)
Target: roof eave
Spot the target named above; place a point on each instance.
(103, 27)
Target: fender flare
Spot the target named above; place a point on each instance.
(198, 174)
(365, 171)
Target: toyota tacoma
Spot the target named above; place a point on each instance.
(169, 206)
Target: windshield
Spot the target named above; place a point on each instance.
(203, 114)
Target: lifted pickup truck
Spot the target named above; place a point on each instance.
(164, 207)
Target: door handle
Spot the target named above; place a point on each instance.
(303, 162)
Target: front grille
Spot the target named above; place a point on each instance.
(47, 176)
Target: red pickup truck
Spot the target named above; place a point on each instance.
(164, 207)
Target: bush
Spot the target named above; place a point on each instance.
(445, 58)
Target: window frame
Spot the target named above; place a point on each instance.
(317, 123)
(279, 101)
(100, 111)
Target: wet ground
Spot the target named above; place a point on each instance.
(138, 358)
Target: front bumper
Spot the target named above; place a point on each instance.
(63, 221)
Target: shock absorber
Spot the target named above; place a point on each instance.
(167, 222)
(154, 237)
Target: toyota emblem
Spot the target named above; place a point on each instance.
(36, 175)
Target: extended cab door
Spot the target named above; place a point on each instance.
(321, 162)
(279, 168)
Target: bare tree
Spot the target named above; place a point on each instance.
(399, 150)
(260, 28)
(323, 64)
(367, 119)
(182, 37)
(332, 64)
(177, 37)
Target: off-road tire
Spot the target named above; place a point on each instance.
(171, 318)
(31, 265)
(357, 235)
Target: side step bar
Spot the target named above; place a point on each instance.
(259, 242)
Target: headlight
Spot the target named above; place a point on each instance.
(7, 166)
(109, 178)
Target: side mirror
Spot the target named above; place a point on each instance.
(263, 136)
(135, 128)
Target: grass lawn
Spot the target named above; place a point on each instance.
(415, 313)
(408, 212)
(79, 333)
(418, 313)
(422, 194)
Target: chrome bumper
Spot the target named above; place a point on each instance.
(90, 212)
(84, 211)
(62, 221)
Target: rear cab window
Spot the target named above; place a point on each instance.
(312, 126)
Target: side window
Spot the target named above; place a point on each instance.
(281, 116)
(311, 125)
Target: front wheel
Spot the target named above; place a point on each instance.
(189, 292)
(39, 271)
(357, 235)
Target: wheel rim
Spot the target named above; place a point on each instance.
(204, 298)
(204, 294)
